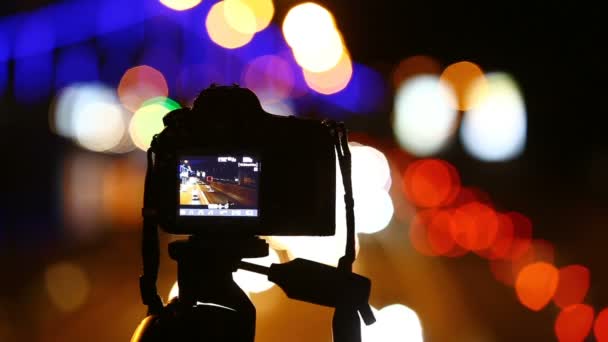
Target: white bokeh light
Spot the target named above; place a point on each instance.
(252, 282)
(370, 168)
(424, 115)
(91, 114)
(495, 128)
(394, 323)
(99, 126)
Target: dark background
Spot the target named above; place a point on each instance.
(556, 53)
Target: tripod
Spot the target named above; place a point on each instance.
(211, 306)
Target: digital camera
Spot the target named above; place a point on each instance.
(227, 167)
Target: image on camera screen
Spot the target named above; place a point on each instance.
(220, 185)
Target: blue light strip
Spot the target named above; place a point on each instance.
(71, 22)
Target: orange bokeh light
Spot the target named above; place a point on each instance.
(573, 285)
(222, 33)
(122, 189)
(573, 324)
(415, 65)
(600, 328)
(474, 226)
(539, 251)
(418, 232)
(139, 84)
(431, 183)
(462, 76)
(333, 80)
(536, 284)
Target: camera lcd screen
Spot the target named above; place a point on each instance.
(225, 185)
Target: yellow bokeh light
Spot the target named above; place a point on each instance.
(146, 122)
(310, 30)
(180, 5)
(240, 17)
(332, 80)
(67, 286)
(221, 32)
(263, 10)
(463, 77)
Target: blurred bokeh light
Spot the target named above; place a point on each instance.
(270, 77)
(464, 78)
(394, 323)
(180, 5)
(148, 121)
(536, 284)
(240, 17)
(222, 33)
(574, 323)
(67, 286)
(573, 285)
(424, 117)
(333, 80)
(431, 182)
(140, 84)
(600, 327)
(495, 128)
(413, 66)
(310, 30)
(122, 192)
(263, 10)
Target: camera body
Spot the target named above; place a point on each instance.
(228, 168)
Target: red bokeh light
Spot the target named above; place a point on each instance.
(139, 84)
(439, 233)
(474, 226)
(504, 239)
(431, 183)
(573, 324)
(600, 328)
(573, 285)
(536, 284)
(522, 235)
(418, 232)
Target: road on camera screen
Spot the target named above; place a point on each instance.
(199, 192)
